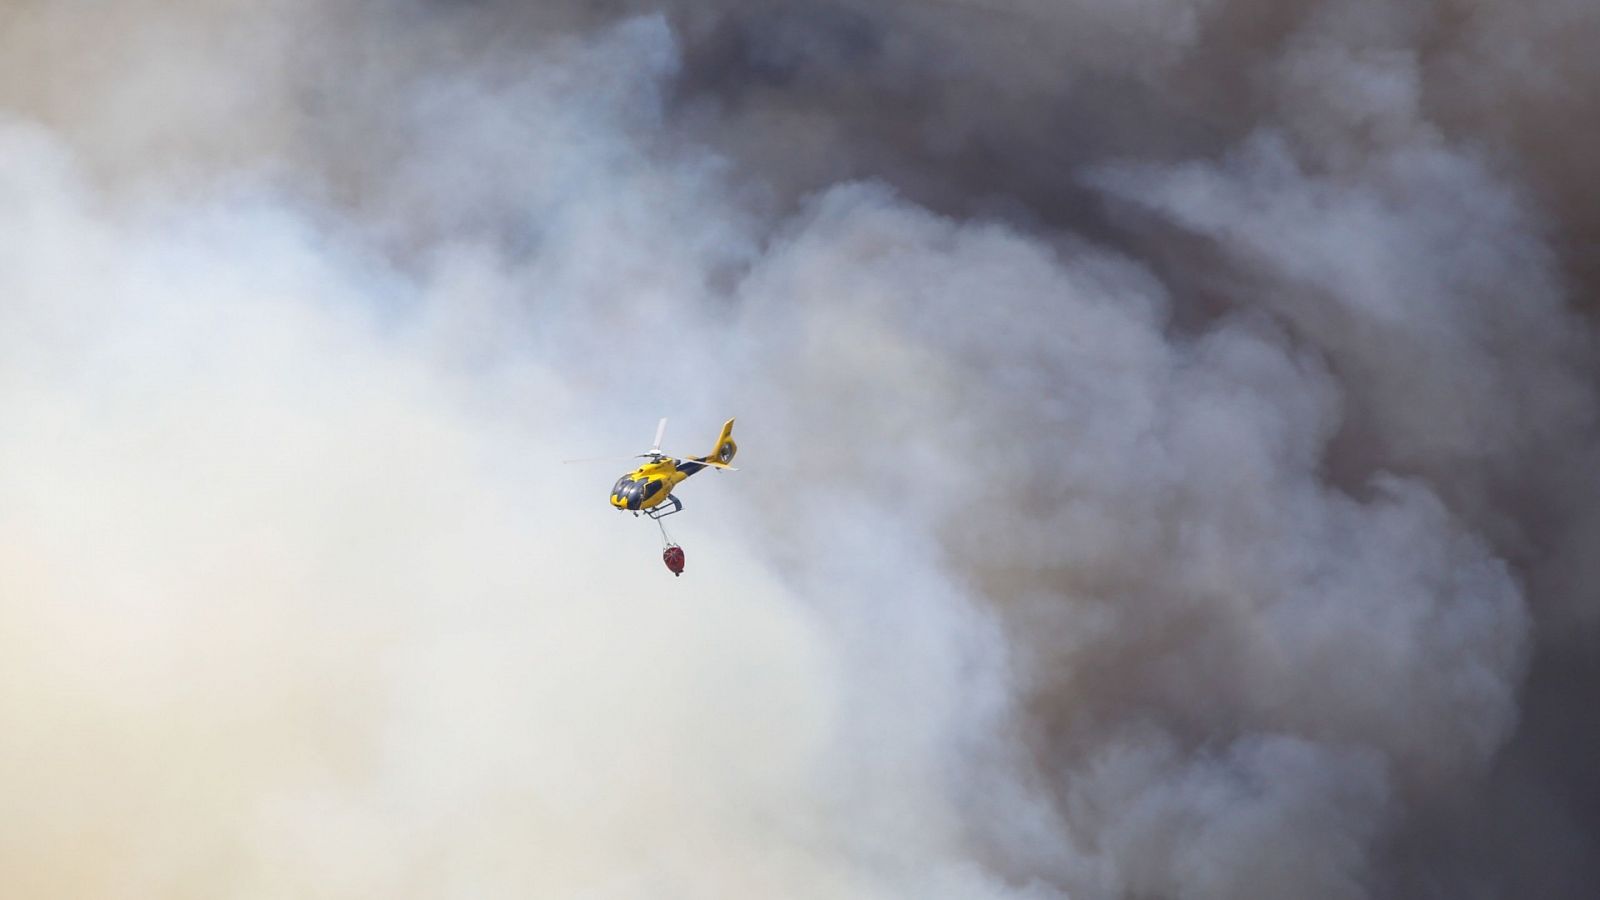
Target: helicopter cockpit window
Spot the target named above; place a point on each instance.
(622, 485)
(651, 489)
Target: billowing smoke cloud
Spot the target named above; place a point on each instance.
(1167, 439)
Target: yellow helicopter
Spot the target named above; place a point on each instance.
(647, 488)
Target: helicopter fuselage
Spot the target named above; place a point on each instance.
(649, 485)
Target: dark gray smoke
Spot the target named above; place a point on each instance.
(1168, 443)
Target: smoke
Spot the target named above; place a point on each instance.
(1167, 436)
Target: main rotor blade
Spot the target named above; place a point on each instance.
(661, 429)
(590, 459)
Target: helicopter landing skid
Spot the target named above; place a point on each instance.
(661, 512)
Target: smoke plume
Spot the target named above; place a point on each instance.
(1168, 438)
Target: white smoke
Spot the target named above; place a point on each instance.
(299, 602)
(1186, 553)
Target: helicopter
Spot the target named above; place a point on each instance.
(648, 489)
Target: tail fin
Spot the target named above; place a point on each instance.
(725, 448)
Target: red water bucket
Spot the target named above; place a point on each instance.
(673, 557)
